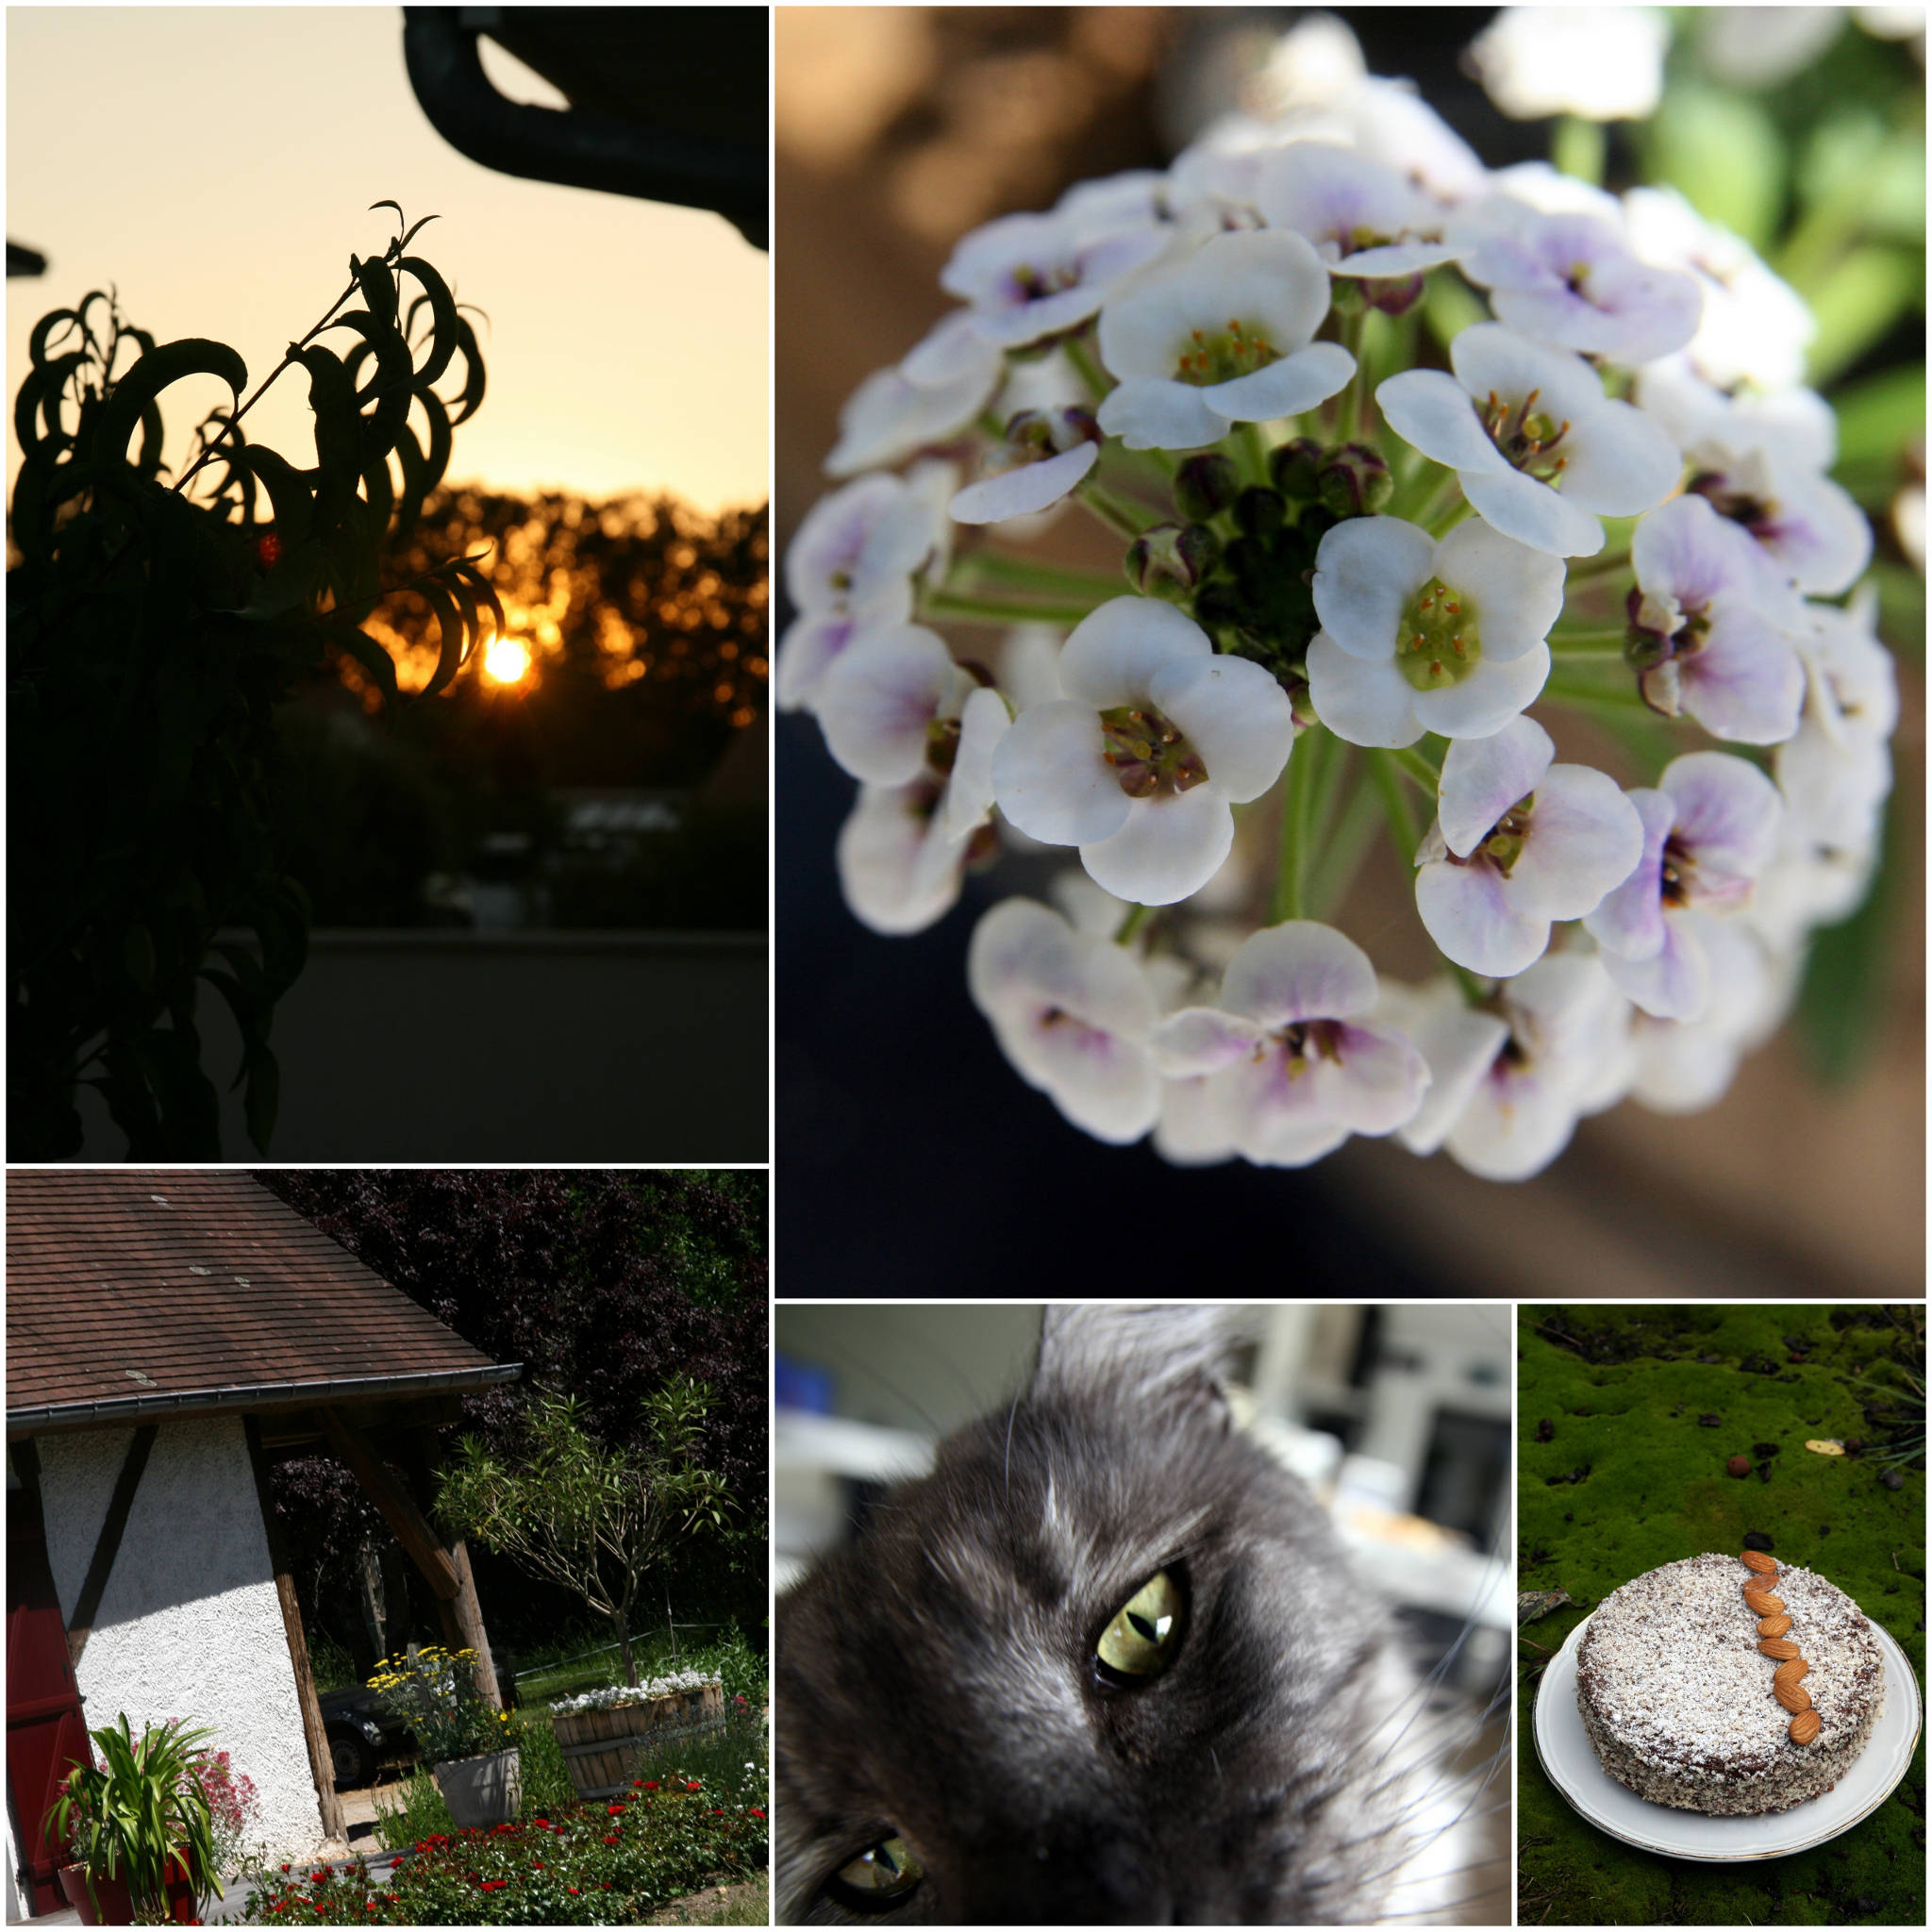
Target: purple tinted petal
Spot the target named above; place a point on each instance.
(1468, 912)
(1585, 839)
(1298, 971)
(1482, 777)
(1630, 920)
(1728, 814)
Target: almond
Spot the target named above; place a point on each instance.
(1773, 1626)
(1804, 1727)
(1757, 1560)
(1791, 1671)
(1780, 1647)
(1793, 1696)
(1761, 1603)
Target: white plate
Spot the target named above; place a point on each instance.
(1564, 1747)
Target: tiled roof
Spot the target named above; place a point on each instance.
(158, 1285)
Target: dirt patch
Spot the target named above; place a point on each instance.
(746, 1904)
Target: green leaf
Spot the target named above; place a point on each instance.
(470, 398)
(1856, 304)
(373, 658)
(338, 432)
(378, 284)
(149, 376)
(1450, 306)
(1876, 420)
(1723, 153)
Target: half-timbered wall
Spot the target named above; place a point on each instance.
(189, 1624)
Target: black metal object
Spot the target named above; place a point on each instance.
(25, 262)
(668, 103)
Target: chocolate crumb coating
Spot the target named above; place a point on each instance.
(1677, 1699)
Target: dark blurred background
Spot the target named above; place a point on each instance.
(915, 1161)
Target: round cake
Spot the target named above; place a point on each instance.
(1721, 1687)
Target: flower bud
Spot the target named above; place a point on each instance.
(1353, 481)
(1170, 559)
(1259, 512)
(1291, 467)
(1206, 485)
(1393, 294)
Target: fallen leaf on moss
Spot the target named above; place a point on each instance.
(1828, 1448)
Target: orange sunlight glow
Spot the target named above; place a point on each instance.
(505, 660)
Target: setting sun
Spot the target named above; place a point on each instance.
(505, 660)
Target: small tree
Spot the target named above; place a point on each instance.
(590, 1518)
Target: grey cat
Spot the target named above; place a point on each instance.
(1106, 1665)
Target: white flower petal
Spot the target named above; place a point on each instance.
(1285, 387)
(1374, 1083)
(1585, 839)
(1486, 698)
(1171, 845)
(1363, 702)
(969, 797)
(1469, 911)
(1674, 982)
(1366, 571)
(1156, 412)
(1482, 777)
(899, 875)
(1026, 491)
(1299, 970)
(1432, 411)
(876, 703)
(1532, 512)
(1516, 593)
(1202, 1040)
(1050, 779)
(1115, 652)
(1234, 714)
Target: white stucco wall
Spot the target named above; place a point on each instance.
(189, 1625)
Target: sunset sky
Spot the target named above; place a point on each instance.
(216, 164)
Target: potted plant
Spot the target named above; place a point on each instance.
(467, 1742)
(141, 1829)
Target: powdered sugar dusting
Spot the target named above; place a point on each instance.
(1678, 1698)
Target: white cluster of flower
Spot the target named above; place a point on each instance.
(1329, 543)
(611, 1696)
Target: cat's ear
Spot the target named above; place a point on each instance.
(1148, 1355)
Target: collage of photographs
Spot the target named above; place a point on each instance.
(967, 965)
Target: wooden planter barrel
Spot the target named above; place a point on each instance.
(602, 1748)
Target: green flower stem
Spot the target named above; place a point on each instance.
(1079, 351)
(1442, 495)
(1137, 917)
(1120, 514)
(1343, 847)
(1388, 776)
(1251, 452)
(1417, 770)
(1307, 767)
(1588, 643)
(1577, 148)
(1601, 565)
(1592, 696)
(1354, 397)
(997, 610)
(994, 570)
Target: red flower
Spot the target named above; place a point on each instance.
(615, 1809)
(536, 1868)
(573, 1890)
(268, 550)
(650, 1785)
(610, 1838)
(542, 1823)
(717, 1814)
(285, 1868)
(755, 1812)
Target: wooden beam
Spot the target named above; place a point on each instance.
(321, 1761)
(462, 1614)
(398, 1507)
(108, 1544)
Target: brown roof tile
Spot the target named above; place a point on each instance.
(149, 1283)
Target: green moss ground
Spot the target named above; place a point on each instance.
(1624, 1389)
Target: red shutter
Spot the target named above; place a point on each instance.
(46, 1730)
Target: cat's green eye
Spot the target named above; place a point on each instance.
(881, 1876)
(1142, 1640)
